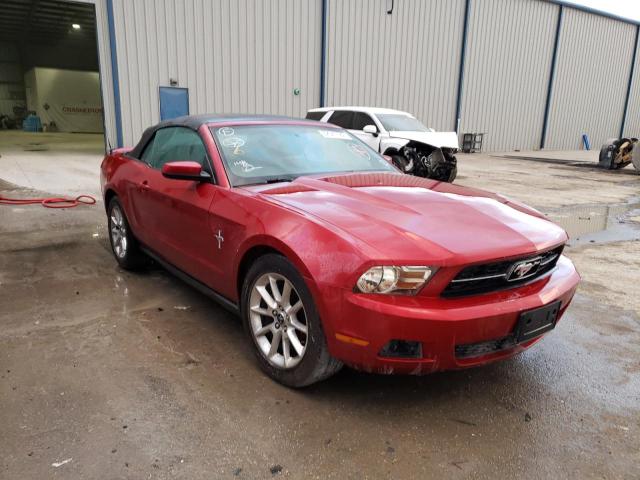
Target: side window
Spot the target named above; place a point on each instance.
(361, 120)
(341, 118)
(315, 115)
(174, 144)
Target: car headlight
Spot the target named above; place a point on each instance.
(394, 280)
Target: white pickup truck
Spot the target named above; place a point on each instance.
(413, 148)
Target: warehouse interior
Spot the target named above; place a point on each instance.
(50, 96)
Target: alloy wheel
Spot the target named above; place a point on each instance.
(278, 320)
(118, 232)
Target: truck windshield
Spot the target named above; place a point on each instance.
(255, 154)
(401, 123)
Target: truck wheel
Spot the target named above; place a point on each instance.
(605, 159)
(402, 163)
(453, 174)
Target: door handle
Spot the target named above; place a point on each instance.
(143, 186)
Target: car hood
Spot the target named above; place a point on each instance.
(435, 139)
(414, 219)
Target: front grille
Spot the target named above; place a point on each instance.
(491, 277)
(485, 348)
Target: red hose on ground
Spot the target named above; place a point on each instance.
(52, 202)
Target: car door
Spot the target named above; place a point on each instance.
(355, 122)
(358, 122)
(175, 213)
(341, 118)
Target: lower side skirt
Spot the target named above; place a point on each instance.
(197, 284)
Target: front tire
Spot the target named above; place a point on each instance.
(123, 244)
(453, 174)
(402, 163)
(283, 325)
(605, 159)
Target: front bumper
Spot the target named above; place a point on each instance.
(361, 325)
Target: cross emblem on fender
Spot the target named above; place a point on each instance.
(220, 239)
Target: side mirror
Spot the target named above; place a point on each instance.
(371, 129)
(184, 171)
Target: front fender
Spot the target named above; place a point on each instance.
(320, 255)
(327, 296)
(392, 145)
(327, 260)
(265, 240)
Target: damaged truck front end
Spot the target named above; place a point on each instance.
(424, 154)
(426, 161)
(617, 153)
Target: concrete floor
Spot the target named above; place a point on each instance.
(99, 368)
(60, 163)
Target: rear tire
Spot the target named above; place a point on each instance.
(283, 325)
(124, 245)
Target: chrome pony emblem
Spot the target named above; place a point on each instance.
(523, 269)
(220, 239)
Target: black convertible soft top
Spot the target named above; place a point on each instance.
(194, 122)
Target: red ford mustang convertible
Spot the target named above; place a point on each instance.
(329, 254)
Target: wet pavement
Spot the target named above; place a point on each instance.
(111, 374)
(599, 223)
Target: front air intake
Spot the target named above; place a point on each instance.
(401, 349)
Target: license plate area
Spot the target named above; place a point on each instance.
(534, 323)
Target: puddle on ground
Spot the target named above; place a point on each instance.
(599, 223)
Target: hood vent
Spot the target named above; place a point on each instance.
(356, 180)
(291, 188)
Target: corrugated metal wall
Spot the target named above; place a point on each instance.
(249, 55)
(233, 55)
(632, 124)
(589, 91)
(509, 50)
(408, 60)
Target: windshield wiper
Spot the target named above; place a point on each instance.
(270, 180)
(279, 179)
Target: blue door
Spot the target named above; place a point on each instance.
(174, 102)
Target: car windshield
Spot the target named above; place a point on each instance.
(394, 122)
(255, 154)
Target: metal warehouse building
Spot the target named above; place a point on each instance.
(527, 73)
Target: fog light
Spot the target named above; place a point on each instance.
(402, 349)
